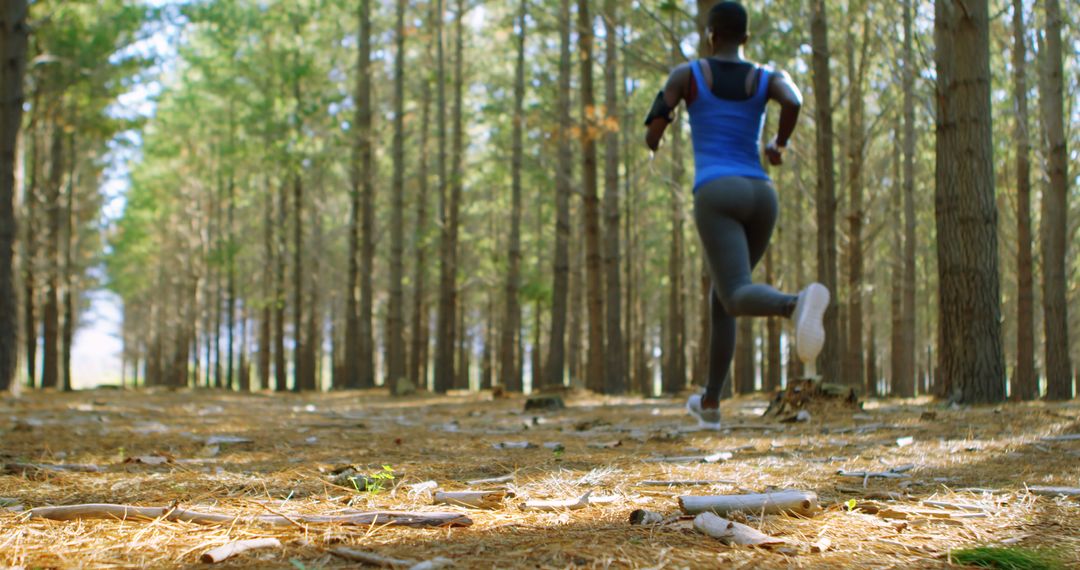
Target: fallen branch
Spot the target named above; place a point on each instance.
(730, 532)
(492, 481)
(127, 512)
(1056, 491)
(956, 506)
(227, 551)
(651, 483)
(798, 502)
(21, 468)
(558, 504)
(1066, 437)
(471, 499)
(713, 458)
(365, 557)
(645, 517)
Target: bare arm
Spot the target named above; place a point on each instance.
(674, 92)
(783, 90)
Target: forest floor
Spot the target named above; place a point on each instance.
(153, 449)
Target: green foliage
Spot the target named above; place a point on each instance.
(1008, 558)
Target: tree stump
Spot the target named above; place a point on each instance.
(810, 394)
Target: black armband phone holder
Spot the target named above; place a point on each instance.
(660, 110)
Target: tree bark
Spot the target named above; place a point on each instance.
(594, 293)
(906, 370)
(556, 364)
(421, 324)
(1025, 385)
(510, 343)
(970, 357)
(281, 382)
(50, 371)
(444, 327)
(615, 351)
(395, 330)
(745, 368)
(13, 40)
(456, 181)
(1059, 385)
(855, 367)
(266, 314)
(773, 373)
(902, 379)
(364, 112)
(674, 370)
(826, 188)
(30, 260)
(70, 238)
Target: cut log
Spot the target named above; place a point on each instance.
(803, 503)
(127, 512)
(645, 517)
(558, 504)
(1055, 491)
(730, 532)
(231, 549)
(471, 499)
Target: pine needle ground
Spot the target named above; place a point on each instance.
(981, 459)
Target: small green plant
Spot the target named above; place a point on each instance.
(375, 482)
(1007, 558)
(297, 564)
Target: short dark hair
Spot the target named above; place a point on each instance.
(728, 21)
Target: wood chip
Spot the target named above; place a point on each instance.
(557, 504)
(730, 532)
(231, 549)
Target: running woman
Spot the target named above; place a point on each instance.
(735, 204)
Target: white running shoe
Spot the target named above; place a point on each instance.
(808, 318)
(707, 418)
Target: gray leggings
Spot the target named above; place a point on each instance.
(735, 217)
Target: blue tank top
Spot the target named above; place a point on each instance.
(727, 134)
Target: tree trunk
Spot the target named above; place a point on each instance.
(589, 129)
(1055, 209)
(855, 367)
(230, 283)
(244, 376)
(773, 373)
(50, 372)
(1025, 385)
(615, 351)
(826, 188)
(267, 312)
(902, 381)
(70, 238)
(364, 113)
(906, 370)
(674, 371)
(217, 247)
(510, 343)
(29, 261)
(421, 324)
(444, 327)
(745, 373)
(395, 329)
(13, 40)
(556, 364)
(281, 382)
(456, 182)
(969, 356)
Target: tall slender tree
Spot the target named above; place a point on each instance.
(395, 330)
(13, 40)
(904, 360)
(615, 351)
(444, 326)
(510, 342)
(1055, 208)
(556, 363)
(1025, 385)
(364, 113)
(594, 287)
(826, 187)
(969, 353)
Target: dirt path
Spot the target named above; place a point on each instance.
(980, 458)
